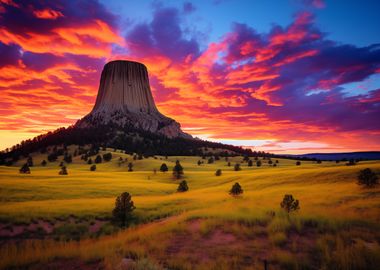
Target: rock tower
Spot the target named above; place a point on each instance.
(124, 98)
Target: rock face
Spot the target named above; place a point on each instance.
(125, 98)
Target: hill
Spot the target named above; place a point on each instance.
(56, 221)
(372, 155)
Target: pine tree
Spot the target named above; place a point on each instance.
(98, 159)
(236, 189)
(130, 167)
(178, 170)
(63, 171)
(182, 187)
(164, 167)
(122, 213)
(237, 167)
(25, 169)
(289, 204)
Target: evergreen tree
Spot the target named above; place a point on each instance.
(229, 164)
(43, 163)
(98, 159)
(237, 167)
(63, 171)
(182, 187)
(298, 163)
(89, 161)
(164, 167)
(199, 163)
(218, 172)
(130, 167)
(289, 204)
(122, 213)
(236, 190)
(258, 163)
(250, 163)
(210, 160)
(93, 168)
(25, 169)
(178, 170)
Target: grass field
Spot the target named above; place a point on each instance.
(337, 226)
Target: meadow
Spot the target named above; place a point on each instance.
(49, 220)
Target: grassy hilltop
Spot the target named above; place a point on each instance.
(60, 220)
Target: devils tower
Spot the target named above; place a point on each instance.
(125, 99)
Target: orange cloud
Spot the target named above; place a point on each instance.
(47, 13)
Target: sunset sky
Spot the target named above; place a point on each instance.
(284, 76)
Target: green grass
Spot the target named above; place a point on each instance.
(335, 212)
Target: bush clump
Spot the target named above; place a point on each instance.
(63, 171)
(183, 187)
(236, 189)
(25, 169)
(290, 204)
(367, 178)
(178, 170)
(164, 167)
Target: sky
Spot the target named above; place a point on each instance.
(283, 76)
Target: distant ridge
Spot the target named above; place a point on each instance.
(371, 155)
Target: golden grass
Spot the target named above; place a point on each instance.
(329, 197)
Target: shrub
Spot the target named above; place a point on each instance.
(182, 187)
(122, 213)
(25, 169)
(218, 172)
(270, 162)
(63, 171)
(289, 204)
(298, 163)
(93, 168)
(237, 167)
(43, 163)
(130, 167)
(367, 178)
(250, 163)
(199, 163)
(210, 160)
(229, 164)
(178, 170)
(236, 190)
(258, 163)
(164, 167)
(98, 159)
(107, 157)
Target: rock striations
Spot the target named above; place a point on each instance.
(125, 99)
